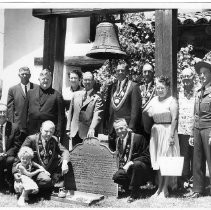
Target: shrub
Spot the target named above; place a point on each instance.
(136, 36)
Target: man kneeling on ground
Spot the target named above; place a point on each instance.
(50, 154)
(133, 158)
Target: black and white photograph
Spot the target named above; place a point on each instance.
(105, 104)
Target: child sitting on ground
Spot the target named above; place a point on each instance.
(24, 184)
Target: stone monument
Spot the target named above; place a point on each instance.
(93, 167)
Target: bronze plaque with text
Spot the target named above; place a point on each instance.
(93, 166)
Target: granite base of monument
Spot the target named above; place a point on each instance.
(93, 166)
(82, 198)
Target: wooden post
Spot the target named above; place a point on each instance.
(54, 44)
(166, 45)
(93, 24)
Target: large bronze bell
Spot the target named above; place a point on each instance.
(106, 44)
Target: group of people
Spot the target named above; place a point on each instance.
(181, 125)
(143, 122)
(29, 164)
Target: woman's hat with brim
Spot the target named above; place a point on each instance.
(201, 64)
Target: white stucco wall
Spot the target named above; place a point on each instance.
(76, 43)
(1, 47)
(1, 39)
(22, 41)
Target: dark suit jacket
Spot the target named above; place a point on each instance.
(34, 113)
(83, 116)
(58, 152)
(15, 102)
(130, 108)
(136, 149)
(13, 139)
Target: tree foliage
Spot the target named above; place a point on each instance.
(186, 59)
(136, 37)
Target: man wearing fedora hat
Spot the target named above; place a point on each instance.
(202, 129)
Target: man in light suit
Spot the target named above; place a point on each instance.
(43, 103)
(10, 142)
(123, 101)
(17, 95)
(85, 111)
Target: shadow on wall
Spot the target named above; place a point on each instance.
(1, 84)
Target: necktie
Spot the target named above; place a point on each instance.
(118, 87)
(25, 89)
(85, 97)
(1, 138)
(121, 146)
(202, 92)
(44, 144)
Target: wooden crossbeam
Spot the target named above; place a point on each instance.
(80, 61)
(72, 13)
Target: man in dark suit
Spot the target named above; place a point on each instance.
(43, 103)
(147, 85)
(50, 154)
(133, 159)
(123, 101)
(10, 142)
(85, 112)
(17, 95)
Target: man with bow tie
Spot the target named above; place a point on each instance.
(133, 159)
(123, 101)
(10, 142)
(52, 155)
(85, 112)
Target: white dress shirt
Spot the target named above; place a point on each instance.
(89, 92)
(27, 87)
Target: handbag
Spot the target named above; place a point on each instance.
(171, 165)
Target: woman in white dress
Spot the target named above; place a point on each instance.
(163, 109)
